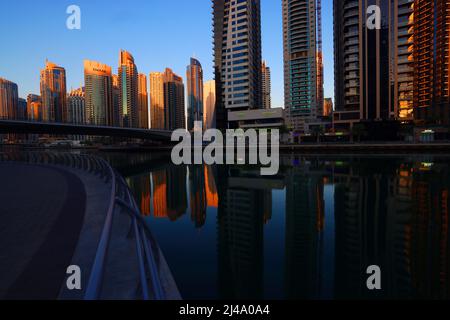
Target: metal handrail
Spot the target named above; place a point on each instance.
(158, 291)
(86, 163)
(141, 261)
(101, 168)
(97, 272)
(142, 240)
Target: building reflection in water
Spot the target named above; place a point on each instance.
(429, 241)
(245, 204)
(143, 197)
(304, 226)
(394, 216)
(342, 215)
(169, 192)
(212, 198)
(197, 190)
(160, 203)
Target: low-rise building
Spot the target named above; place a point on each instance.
(258, 118)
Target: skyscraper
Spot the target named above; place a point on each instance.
(432, 60)
(266, 84)
(174, 113)
(128, 83)
(34, 107)
(53, 93)
(402, 75)
(115, 101)
(303, 68)
(209, 105)
(76, 111)
(22, 109)
(143, 102)
(157, 100)
(373, 67)
(327, 107)
(98, 91)
(194, 76)
(9, 99)
(237, 52)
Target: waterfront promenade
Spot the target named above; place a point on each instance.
(55, 211)
(42, 212)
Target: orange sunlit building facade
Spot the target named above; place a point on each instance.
(169, 193)
(212, 198)
(157, 100)
(143, 101)
(53, 93)
(34, 107)
(159, 194)
(9, 99)
(431, 58)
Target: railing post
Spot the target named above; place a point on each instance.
(96, 276)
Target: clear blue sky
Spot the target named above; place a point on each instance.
(159, 33)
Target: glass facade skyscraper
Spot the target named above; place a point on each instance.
(128, 83)
(34, 107)
(143, 102)
(115, 120)
(402, 75)
(237, 52)
(209, 105)
(22, 109)
(194, 77)
(266, 86)
(53, 93)
(99, 99)
(174, 113)
(9, 99)
(373, 67)
(432, 61)
(157, 100)
(303, 68)
(76, 106)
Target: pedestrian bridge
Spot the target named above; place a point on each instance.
(30, 127)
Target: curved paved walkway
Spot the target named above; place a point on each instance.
(41, 214)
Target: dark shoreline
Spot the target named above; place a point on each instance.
(377, 148)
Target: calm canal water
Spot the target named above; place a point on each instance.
(308, 233)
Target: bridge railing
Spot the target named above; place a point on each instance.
(68, 123)
(88, 164)
(18, 119)
(120, 196)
